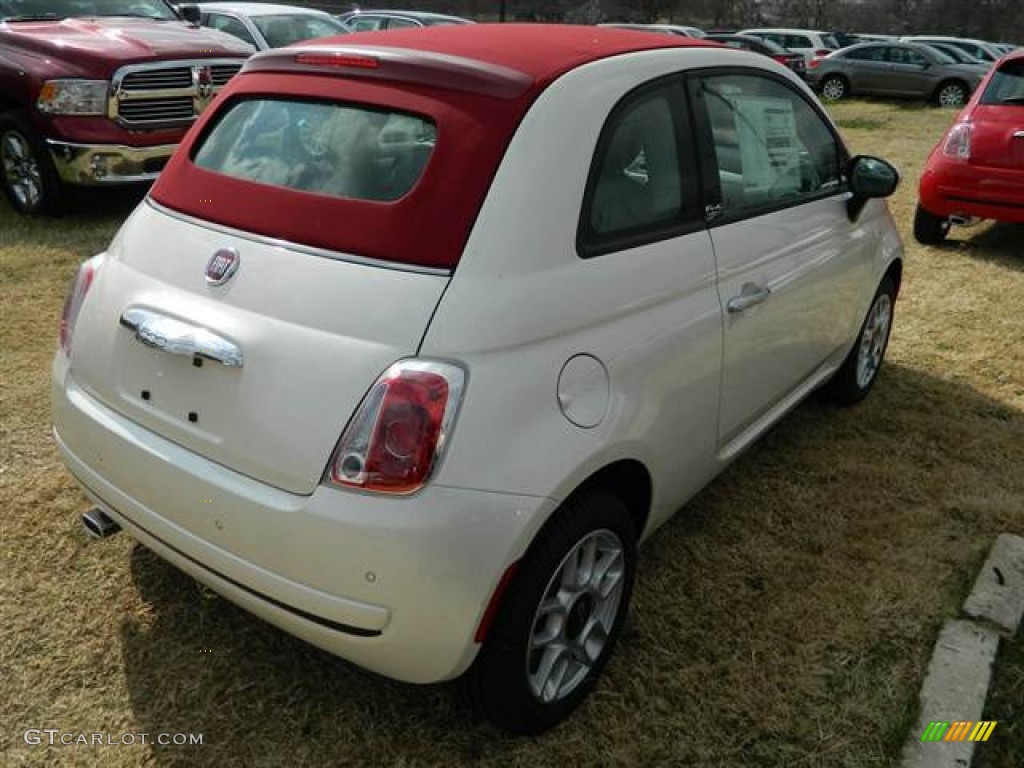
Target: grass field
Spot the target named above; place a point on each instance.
(784, 618)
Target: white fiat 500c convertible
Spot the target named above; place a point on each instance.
(417, 335)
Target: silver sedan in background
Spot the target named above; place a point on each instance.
(269, 25)
(906, 70)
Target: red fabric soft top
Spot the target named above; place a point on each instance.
(429, 225)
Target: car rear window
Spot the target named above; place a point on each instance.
(338, 150)
(1006, 85)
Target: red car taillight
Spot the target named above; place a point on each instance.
(80, 285)
(817, 56)
(398, 434)
(958, 142)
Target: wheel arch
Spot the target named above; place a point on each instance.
(630, 482)
(895, 273)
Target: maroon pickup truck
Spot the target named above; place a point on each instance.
(99, 92)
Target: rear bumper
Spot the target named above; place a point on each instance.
(103, 164)
(957, 188)
(396, 585)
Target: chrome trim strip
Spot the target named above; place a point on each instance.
(177, 337)
(1018, 134)
(297, 247)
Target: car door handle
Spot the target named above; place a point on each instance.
(177, 337)
(750, 295)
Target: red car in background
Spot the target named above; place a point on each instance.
(977, 170)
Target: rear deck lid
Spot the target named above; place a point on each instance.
(260, 371)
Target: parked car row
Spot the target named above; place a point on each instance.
(896, 69)
(944, 70)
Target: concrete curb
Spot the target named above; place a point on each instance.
(957, 681)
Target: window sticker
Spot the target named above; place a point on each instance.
(769, 147)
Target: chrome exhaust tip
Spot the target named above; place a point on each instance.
(964, 221)
(98, 525)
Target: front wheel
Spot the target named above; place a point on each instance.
(834, 88)
(29, 179)
(859, 370)
(559, 621)
(930, 229)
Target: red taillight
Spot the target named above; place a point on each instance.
(80, 285)
(399, 431)
(781, 58)
(337, 60)
(958, 142)
(821, 53)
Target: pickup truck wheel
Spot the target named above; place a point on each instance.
(858, 373)
(29, 178)
(558, 622)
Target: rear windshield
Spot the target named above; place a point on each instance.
(830, 42)
(337, 150)
(1006, 85)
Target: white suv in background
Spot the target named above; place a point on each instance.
(813, 44)
(420, 332)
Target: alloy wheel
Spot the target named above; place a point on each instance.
(833, 89)
(873, 340)
(574, 619)
(952, 95)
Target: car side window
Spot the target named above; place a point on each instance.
(231, 25)
(368, 24)
(396, 22)
(874, 53)
(772, 149)
(641, 188)
(798, 41)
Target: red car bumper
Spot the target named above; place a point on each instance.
(951, 187)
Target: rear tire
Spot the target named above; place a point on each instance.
(930, 229)
(560, 618)
(834, 88)
(859, 370)
(952, 93)
(29, 177)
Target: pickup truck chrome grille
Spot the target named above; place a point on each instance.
(166, 94)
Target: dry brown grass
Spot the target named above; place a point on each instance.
(784, 619)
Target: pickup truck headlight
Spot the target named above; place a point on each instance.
(73, 97)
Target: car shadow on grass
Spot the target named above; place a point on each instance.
(997, 243)
(806, 584)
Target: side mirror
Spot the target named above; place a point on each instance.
(189, 13)
(869, 178)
